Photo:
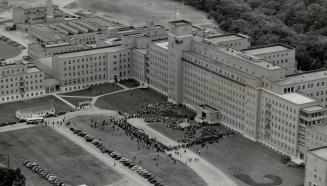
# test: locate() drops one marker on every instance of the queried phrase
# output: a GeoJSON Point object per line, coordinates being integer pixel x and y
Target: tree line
{"type": "Point", "coordinates": [299, 23]}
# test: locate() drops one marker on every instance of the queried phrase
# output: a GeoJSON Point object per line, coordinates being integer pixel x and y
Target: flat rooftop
{"type": "Point", "coordinates": [222, 65]}
{"type": "Point", "coordinates": [267, 49]}
{"type": "Point", "coordinates": [57, 30]}
{"type": "Point", "coordinates": [320, 152]}
{"type": "Point", "coordinates": [304, 77]}
{"type": "Point", "coordinates": [92, 51]}
{"type": "Point", "coordinates": [163, 45]}
{"type": "Point", "coordinates": [297, 98]}
{"type": "Point", "coordinates": [46, 30]}
{"type": "Point", "coordinates": [40, 108]}
{"type": "Point", "coordinates": [32, 70]}
{"type": "Point", "coordinates": [241, 55]}
{"type": "Point", "coordinates": [225, 37]}
{"type": "Point", "coordinates": [46, 61]}
{"type": "Point", "coordinates": [52, 45]}
{"type": "Point", "coordinates": [314, 109]}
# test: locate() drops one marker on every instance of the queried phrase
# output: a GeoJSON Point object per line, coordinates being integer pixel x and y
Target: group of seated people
{"type": "Point", "coordinates": [130, 130]}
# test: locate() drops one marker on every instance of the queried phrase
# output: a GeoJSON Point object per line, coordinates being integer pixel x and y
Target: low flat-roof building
{"type": "Point", "coordinates": [207, 114]}
{"type": "Point", "coordinates": [35, 112]}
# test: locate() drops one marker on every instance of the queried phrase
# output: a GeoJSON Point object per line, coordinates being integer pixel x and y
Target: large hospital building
{"type": "Point", "coordinates": [255, 91]}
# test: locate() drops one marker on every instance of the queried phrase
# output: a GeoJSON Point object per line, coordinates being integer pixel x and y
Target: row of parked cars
{"type": "Point", "coordinates": [51, 178]}
{"type": "Point", "coordinates": [8, 123]}
{"type": "Point", "coordinates": [115, 155]}
{"type": "Point", "coordinates": [11, 42]}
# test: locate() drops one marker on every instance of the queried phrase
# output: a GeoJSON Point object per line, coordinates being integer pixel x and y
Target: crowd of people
{"type": "Point", "coordinates": [130, 130]}
{"type": "Point", "coordinates": [172, 115]}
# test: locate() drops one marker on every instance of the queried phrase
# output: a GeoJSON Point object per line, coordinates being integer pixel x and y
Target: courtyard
{"type": "Point", "coordinates": [75, 100]}
{"type": "Point", "coordinates": [8, 110]}
{"type": "Point", "coordinates": [129, 101]}
{"type": "Point", "coordinates": [96, 90]}
{"type": "Point", "coordinates": [56, 154]}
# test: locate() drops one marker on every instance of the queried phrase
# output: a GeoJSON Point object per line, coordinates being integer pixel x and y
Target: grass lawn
{"type": "Point", "coordinates": [238, 156]}
{"type": "Point", "coordinates": [7, 50]}
{"type": "Point", "coordinates": [166, 172]}
{"type": "Point", "coordinates": [55, 153]}
{"type": "Point", "coordinates": [130, 83]}
{"type": "Point", "coordinates": [129, 101]}
{"type": "Point", "coordinates": [8, 110]}
{"type": "Point", "coordinates": [169, 132]}
{"type": "Point", "coordinates": [96, 90]}
{"type": "Point", "coordinates": [76, 100]}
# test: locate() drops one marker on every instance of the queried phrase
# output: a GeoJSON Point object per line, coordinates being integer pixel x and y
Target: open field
{"type": "Point", "coordinates": [8, 110]}
{"type": "Point", "coordinates": [136, 12]}
{"type": "Point", "coordinates": [95, 90]}
{"type": "Point", "coordinates": [76, 100]}
{"type": "Point", "coordinates": [238, 155]}
{"type": "Point", "coordinates": [166, 172]}
{"type": "Point", "coordinates": [56, 154]}
{"type": "Point", "coordinates": [8, 51]}
{"type": "Point", "coordinates": [129, 101]}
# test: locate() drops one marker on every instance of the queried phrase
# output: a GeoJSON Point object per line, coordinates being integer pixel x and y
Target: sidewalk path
{"type": "Point", "coordinates": [65, 101]}
{"type": "Point", "coordinates": [15, 127]}
{"type": "Point", "coordinates": [208, 172]}
{"type": "Point", "coordinates": [97, 97]}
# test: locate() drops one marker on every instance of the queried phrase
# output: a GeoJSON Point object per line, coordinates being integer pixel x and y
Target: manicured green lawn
{"type": "Point", "coordinates": [96, 90]}
{"type": "Point", "coordinates": [76, 100]}
{"type": "Point", "coordinates": [8, 110]}
{"type": "Point", "coordinates": [237, 155]}
{"type": "Point", "coordinates": [54, 153]}
{"type": "Point", "coordinates": [167, 172]}
{"type": "Point", "coordinates": [129, 101]}
{"type": "Point", "coordinates": [7, 50]}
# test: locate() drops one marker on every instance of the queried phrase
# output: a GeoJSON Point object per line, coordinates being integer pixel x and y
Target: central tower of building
{"type": "Point", "coordinates": [50, 10]}
{"type": "Point", "coordinates": [179, 41]}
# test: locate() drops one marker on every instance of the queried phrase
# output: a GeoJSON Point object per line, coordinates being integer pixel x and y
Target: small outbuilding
{"type": "Point", "coordinates": [35, 112]}
{"type": "Point", "coordinates": [208, 114]}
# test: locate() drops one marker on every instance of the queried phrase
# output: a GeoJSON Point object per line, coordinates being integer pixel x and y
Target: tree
{"type": "Point", "coordinates": [239, 26]}
{"type": "Point", "coordinates": [9, 177]}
